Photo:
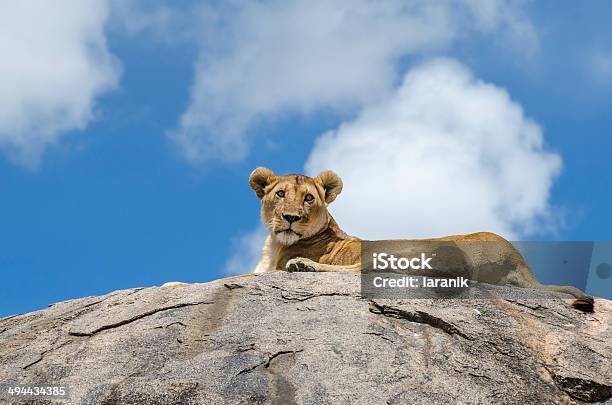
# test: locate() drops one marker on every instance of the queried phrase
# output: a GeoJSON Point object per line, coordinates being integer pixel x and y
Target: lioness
{"type": "Point", "coordinates": [304, 236]}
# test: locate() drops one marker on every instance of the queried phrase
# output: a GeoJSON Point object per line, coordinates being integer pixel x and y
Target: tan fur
{"type": "Point", "coordinates": [315, 242]}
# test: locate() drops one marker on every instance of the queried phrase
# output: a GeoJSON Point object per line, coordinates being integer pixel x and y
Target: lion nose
{"type": "Point", "coordinates": [291, 218]}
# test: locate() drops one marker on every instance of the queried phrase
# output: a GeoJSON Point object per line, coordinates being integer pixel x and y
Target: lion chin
{"type": "Point", "coordinates": [287, 237]}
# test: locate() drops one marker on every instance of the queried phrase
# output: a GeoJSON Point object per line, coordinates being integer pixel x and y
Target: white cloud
{"type": "Point", "coordinates": [508, 17]}
{"type": "Point", "coordinates": [153, 19]}
{"type": "Point", "coordinates": [260, 59]}
{"type": "Point", "coordinates": [54, 63]}
{"type": "Point", "coordinates": [445, 154]}
{"type": "Point", "coordinates": [245, 252]}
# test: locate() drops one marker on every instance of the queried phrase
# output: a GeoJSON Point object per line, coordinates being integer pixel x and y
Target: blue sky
{"type": "Point", "coordinates": [132, 170]}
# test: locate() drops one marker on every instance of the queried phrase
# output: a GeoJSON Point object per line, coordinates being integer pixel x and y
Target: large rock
{"type": "Point", "coordinates": [286, 338]}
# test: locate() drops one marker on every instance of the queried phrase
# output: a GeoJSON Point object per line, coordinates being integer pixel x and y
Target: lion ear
{"type": "Point", "coordinates": [332, 184]}
{"type": "Point", "coordinates": [259, 179]}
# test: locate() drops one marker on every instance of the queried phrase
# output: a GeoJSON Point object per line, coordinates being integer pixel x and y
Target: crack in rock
{"type": "Point", "coordinates": [582, 389]}
{"type": "Point", "coordinates": [379, 334]}
{"type": "Point", "coordinates": [307, 296]}
{"type": "Point", "coordinates": [266, 363]}
{"type": "Point", "coordinates": [283, 391]}
{"type": "Point", "coordinates": [302, 295]}
{"type": "Point", "coordinates": [45, 353]}
{"type": "Point", "coordinates": [534, 307]}
{"type": "Point", "coordinates": [232, 286]}
{"type": "Point", "coordinates": [135, 318]}
{"type": "Point", "coordinates": [41, 356]}
{"type": "Point", "coordinates": [418, 317]}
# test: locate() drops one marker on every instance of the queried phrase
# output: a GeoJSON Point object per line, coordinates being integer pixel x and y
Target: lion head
{"type": "Point", "coordinates": [294, 207]}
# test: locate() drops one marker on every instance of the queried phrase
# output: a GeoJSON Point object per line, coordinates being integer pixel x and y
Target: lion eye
{"type": "Point", "coordinates": [280, 193]}
{"type": "Point", "coordinates": [309, 197]}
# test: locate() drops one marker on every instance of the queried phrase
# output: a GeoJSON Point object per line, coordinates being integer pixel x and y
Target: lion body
{"type": "Point", "coordinates": [305, 237]}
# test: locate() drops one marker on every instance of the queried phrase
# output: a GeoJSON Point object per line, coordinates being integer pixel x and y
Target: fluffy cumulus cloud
{"type": "Point", "coordinates": [155, 19]}
{"type": "Point", "coordinates": [55, 61]}
{"type": "Point", "coordinates": [445, 154]}
{"type": "Point", "coordinates": [261, 59]}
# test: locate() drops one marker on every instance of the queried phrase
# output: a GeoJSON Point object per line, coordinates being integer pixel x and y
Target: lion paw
{"type": "Point", "coordinates": [301, 265]}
